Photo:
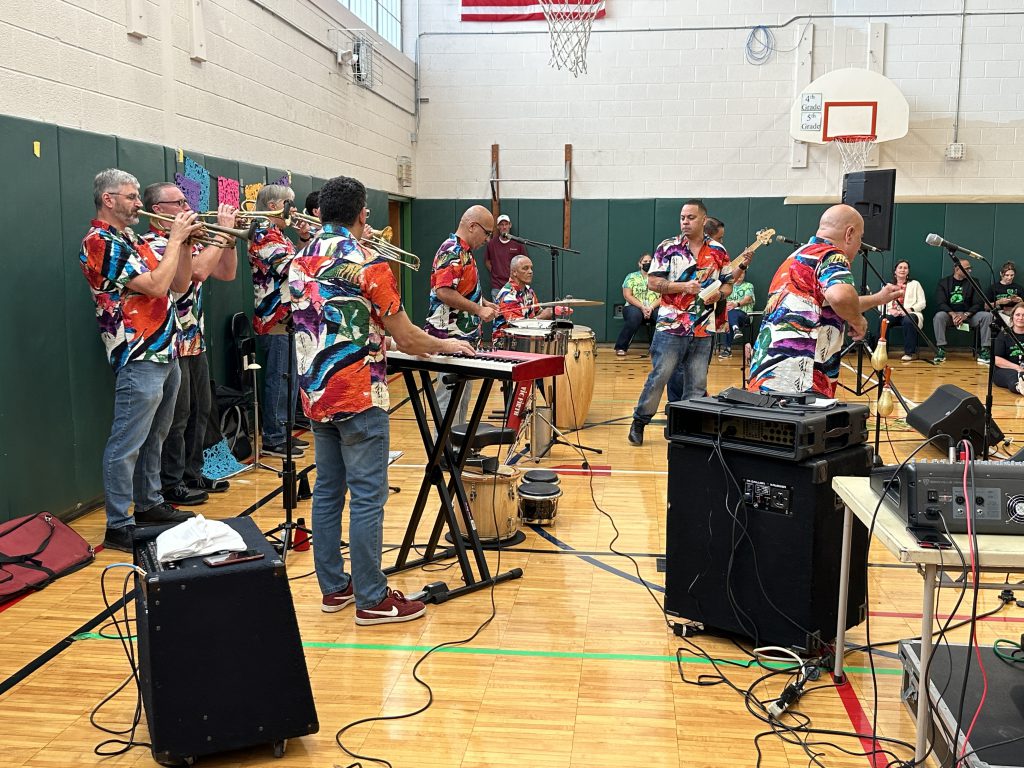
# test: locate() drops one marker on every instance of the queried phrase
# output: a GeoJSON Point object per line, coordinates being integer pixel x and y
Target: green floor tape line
{"type": "Point", "coordinates": [538, 654]}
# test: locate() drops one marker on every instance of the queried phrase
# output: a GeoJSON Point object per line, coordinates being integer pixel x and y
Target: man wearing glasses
{"type": "Point", "coordinates": [456, 306]}
{"type": "Point", "coordinates": [181, 460]}
{"type": "Point", "coordinates": [131, 287]}
{"type": "Point", "coordinates": [961, 306]}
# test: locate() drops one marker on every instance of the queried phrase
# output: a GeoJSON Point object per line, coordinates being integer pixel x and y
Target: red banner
{"type": "Point", "coordinates": [518, 10]}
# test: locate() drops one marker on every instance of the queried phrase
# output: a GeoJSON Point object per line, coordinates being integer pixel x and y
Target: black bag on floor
{"type": "Point", "coordinates": [231, 411]}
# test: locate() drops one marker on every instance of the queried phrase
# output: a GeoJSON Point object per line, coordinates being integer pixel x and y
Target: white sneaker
{"type": "Point", "coordinates": [908, 358]}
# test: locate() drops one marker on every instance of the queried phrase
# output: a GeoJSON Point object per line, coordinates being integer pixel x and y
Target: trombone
{"type": "Point", "coordinates": [203, 238]}
{"type": "Point", "coordinates": [380, 245]}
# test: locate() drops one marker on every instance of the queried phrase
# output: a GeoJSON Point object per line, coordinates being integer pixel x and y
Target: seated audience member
{"type": "Point", "coordinates": [958, 304]}
{"type": "Point", "coordinates": [641, 305]}
{"type": "Point", "coordinates": [913, 301]}
{"type": "Point", "coordinates": [1010, 355]}
{"type": "Point", "coordinates": [1006, 294]}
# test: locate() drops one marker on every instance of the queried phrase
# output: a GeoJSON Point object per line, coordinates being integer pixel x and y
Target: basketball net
{"type": "Point", "coordinates": [854, 151]}
{"type": "Point", "coordinates": [569, 24]}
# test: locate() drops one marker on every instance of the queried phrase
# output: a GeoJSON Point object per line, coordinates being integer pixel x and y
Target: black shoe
{"type": "Point", "coordinates": [298, 442]}
{"type": "Point", "coordinates": [209, 485]}
{"type": "Point", "coordinates": [162, 514]}
{"type": "Point", "coordinates": [636, 432]}
{"type": "Point", "coordinates": [182, 494]}
{"type": "Point", "coordinates": [119, 538]}
{"type": "Point", "coordinates": [279, 451]}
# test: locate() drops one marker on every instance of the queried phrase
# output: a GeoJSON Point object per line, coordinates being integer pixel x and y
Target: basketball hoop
{"type": "Point", "coordinates": [854, 150]}
{"type": "Point", "coordinates": [569, 23]}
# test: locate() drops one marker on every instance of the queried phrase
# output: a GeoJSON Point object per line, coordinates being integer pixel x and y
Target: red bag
{"type": "Point", "coordinates": [35, 550]}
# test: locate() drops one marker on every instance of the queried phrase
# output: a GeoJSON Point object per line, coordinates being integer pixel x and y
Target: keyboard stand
{"type": "Point", "coordinates": [448, 483]}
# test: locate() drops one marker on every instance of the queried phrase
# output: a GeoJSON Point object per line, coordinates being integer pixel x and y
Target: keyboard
{"type": "Point", "coordinates": [504, 365]}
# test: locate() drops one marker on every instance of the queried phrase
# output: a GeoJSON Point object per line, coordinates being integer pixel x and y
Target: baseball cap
{"type": "Point", "coordinates": [504, 217]}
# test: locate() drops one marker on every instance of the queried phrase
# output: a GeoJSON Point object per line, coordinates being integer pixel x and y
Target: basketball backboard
{"type": "Point", "coordinates": [849, 102]}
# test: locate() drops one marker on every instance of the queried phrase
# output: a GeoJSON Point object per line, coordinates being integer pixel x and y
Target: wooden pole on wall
{"type": "Point", "coordinates": [567, 201]}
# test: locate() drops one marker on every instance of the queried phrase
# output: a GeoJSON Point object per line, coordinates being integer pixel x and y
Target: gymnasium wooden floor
{"type": "Point", "coordinates": [577, 669]}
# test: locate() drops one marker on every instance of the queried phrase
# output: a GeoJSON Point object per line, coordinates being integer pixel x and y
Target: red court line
{"type": "Point", "coordinates": [861, 724]}
{"type": "Point", "coordinates": [598, 470]}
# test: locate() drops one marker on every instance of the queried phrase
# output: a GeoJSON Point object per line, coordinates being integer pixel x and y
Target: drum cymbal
{"type": "Point", "coordinates": [569, 301]}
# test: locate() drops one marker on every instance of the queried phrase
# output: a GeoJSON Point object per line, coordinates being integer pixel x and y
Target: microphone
{"type": "Point", "coordinates": [784, 239]}
{"type": "Point", "coordinates": [517, 239]}
{"type": "Point", "coordinates": [934, 239]}
{"type": "Point", "coordinates": [868, 247]}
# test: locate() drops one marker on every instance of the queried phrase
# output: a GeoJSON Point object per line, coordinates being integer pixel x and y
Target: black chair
{"type": "Point", "coordinates": [486, 435]}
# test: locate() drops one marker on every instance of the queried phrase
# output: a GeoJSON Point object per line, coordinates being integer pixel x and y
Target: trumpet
{"type": "Point", "coordinates": [203, 238]}
{"type": "Point", "coordinates": [287, 212]}
{"type": "Point", "coordinates": [380, 245]}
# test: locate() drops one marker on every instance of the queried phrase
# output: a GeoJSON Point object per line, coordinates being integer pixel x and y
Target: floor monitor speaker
{"type": "Point", "coordinates": [957, 414]}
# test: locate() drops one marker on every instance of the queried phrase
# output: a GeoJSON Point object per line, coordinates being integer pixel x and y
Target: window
{"type": "Point", "coordinates": [382, 16]}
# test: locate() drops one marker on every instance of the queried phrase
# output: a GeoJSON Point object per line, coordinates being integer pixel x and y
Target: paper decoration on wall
{"type": "Point", "coordinates": [201, 176]}
{"type": "Point", "coordinates": [227, 191]}
{"type": "Point", "coordinates": [251, 190]}
{"type": "Point", "coordinates": [190, 188]}
{"type": "Point", "coordinates": [284, 181]}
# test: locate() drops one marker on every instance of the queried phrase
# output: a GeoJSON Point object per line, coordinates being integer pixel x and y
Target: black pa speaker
{"type": "Point", "coordinates": [754, 543]}
{"type": "Point", "coordinates": [958, 414]}
{"type": "Point", "coordinates": [221, 665]}
{"type": "Point", "coordinates": [873, 194]}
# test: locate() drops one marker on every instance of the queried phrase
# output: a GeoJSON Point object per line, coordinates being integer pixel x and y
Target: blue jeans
{"type": "Point", "coordinates": [681, 362]}
{"type": "Point", "coordinates": [351, 455]}
{"type": "Point", "coordinates": [144, 397]}
{"type": "Point", "coordinates": [632, 319]}
{"type": "Point", "coordinates": [737, 318]}
{"type": "Point", "coordinates": [275, 389]}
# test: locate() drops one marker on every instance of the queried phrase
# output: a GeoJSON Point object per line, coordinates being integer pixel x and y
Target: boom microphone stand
{"type": "Point", "coordinates": [283, 534]}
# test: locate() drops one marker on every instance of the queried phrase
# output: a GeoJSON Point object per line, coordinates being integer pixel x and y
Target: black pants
{"type": "Point", "coordinates": [632, 318]}
{"type": "Point", "coordinates": [1005, 377]}
{"type": "Point", "coordinates": [182, 455]}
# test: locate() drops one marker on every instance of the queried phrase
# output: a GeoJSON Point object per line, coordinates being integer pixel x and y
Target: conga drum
{"type": "Point", "coordinates": [575, 388]}
{"type": "Point", "coordinates": [493, 504]}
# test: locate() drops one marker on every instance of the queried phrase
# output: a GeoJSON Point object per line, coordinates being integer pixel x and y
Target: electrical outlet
{"type": "Point", "coordinates": [955, 151]}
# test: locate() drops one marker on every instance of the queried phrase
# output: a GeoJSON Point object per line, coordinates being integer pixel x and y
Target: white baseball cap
{"type": "Point", "coordinates": [504, 217]}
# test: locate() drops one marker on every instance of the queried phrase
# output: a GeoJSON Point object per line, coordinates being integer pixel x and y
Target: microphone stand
{"type": "Point", "coordinates": [556, 438]}
{"type": "Point", "coordinates": [997, 320]}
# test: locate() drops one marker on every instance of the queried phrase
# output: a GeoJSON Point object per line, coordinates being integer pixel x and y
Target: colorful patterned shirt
{"type": "Point", "coordinates": [801, 336]}
{"type": "Point", "coordinates": [673, 261]}
{"type": "Point", "coordinates": [637, 284]}
{"type": "Point", "coordinates": [454, 267]}
{"type": "Point", "coordinates": [515, 302]}
{"type": "Point", "coordinates": [339, 295]}
{"type": "Point", "coordinates": [133, 326]}
{"type": "Point", "coordinates": [740, 291]}
{"type": "Point", "coordinates": [189, 305]}
{"type": "Point", "coordinates": [270, 254]}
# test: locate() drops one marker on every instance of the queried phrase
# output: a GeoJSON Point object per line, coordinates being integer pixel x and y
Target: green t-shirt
{"type": "Point", "coordinates": [741, 291]}
{"type": "Point", "coordinates": [637, 284]}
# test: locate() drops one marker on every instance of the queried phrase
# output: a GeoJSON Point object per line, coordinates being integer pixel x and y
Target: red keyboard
{"type": "Point", "coordinates": [504, 365]}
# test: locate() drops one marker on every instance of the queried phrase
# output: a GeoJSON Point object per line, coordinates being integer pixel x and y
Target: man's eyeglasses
{"type": "Point", "coordinates": [485, 229]}
{"type": "Point", "coordinates": [182, 203]}
{"type": "Point", "coordinates": [133, 196]}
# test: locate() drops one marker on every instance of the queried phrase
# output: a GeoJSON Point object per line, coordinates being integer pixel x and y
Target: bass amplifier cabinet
{"type": "Point", "coordinates": [754, 543]}
{"type": "Point", "coordinates": [221, 665]}
{"type": "Point", "coordinates": [793, 432]}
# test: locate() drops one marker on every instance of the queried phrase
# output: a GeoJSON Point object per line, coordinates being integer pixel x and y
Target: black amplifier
{"type": "Point", "coordinates": [794, 431]}
{"type": "Point", "coordinates": [926, 493]}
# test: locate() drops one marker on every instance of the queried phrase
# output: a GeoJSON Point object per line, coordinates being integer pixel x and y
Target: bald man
{"type": "Point", "coordinates": [811, 304]}
{"type": "Point", "coordinates": [457, 307]}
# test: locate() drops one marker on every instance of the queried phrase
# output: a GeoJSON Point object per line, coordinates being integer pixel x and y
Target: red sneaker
{"type": "Point", "coordinates": [393, 608]}
{"type": "Point", "coordinates": [338, 600]}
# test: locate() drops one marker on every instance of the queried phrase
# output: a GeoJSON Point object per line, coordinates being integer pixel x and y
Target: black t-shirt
{"type": "Point", "coordinates": [999, 291]}
{"type": "Point", "coordinates": [1006, 348]}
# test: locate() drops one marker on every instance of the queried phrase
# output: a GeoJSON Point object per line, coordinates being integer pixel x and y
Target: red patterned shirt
{"type": "Point", "coordinates": [270, 254]}
{"type": "Point", "coordinates": [189, 305]}
{"type": "Point", "coordinates": [674, 261]}
{"type": "Point", "coordinates": [133, 326]}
